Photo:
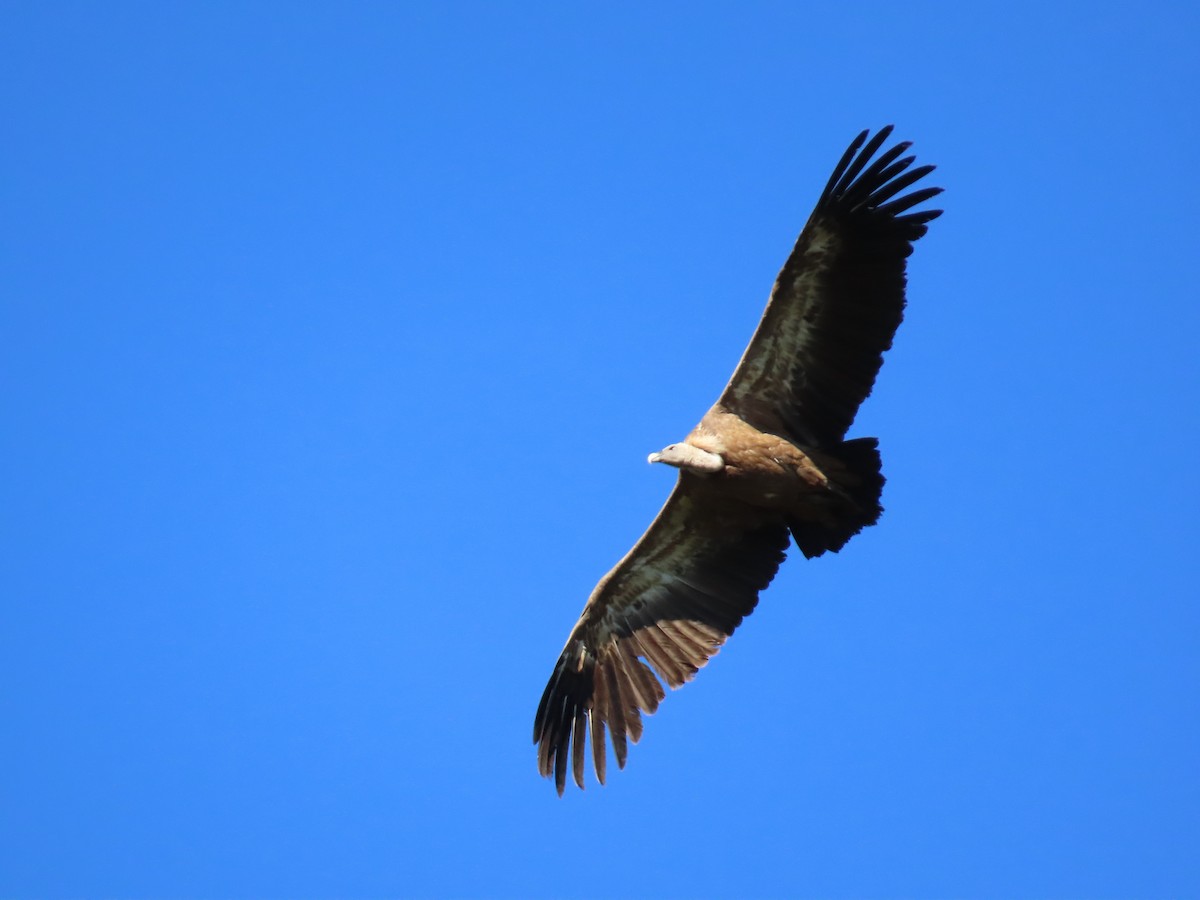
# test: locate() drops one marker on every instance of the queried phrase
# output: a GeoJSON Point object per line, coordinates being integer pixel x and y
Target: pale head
{"type": "Point", "coordinates": [686, 456]}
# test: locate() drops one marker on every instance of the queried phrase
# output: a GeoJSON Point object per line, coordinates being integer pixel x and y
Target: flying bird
{"type": "Point", "coordinates": [767, 465]}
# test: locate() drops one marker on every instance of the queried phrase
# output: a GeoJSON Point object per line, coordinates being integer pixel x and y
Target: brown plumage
{"type": "Point", "coordinates": [768, 461]}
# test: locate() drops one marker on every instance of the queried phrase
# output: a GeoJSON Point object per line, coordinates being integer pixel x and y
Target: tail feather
{"type": "Point", "coordinates": [856, 484]}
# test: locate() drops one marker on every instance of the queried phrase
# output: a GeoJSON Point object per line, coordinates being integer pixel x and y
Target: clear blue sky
{"type": "Point", "coordinates": [336, 336]}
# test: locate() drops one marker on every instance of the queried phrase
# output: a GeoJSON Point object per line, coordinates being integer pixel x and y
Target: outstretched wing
{"type": "Point", "coordinates": [665, 609]}
{"type": "Point", "coordinates": [837, 301]}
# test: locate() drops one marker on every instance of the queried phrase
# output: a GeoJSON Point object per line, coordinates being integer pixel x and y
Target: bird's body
{"type": "Point", "coordinates": [768, 464]}
{"type": "Point", "coordinates": [759, 468]}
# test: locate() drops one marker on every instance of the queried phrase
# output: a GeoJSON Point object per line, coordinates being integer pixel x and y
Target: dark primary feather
{"type": "Point", "coordinates": [837, 301]}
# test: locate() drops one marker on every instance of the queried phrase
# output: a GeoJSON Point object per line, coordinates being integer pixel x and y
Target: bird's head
{"type": "Point", "coordinates": [686, 456]}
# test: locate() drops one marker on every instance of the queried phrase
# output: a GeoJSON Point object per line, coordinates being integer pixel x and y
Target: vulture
{"type": "Point", "coordinates": [768, 464]}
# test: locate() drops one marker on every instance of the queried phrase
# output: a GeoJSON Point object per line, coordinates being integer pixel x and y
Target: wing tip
{"type": "Point", "coordinates": [585, 694]}
{"type": "Point", "coordinates": [864, 183]}
{"type": "Point", "coordinates": [610, 694]}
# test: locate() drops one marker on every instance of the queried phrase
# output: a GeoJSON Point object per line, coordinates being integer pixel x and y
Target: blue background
{"type": "Point", "coordinates": [334, 341]}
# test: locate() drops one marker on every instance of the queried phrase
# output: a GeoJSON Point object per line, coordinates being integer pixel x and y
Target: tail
{"type": "Point", "coordinates": [855, 485]}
